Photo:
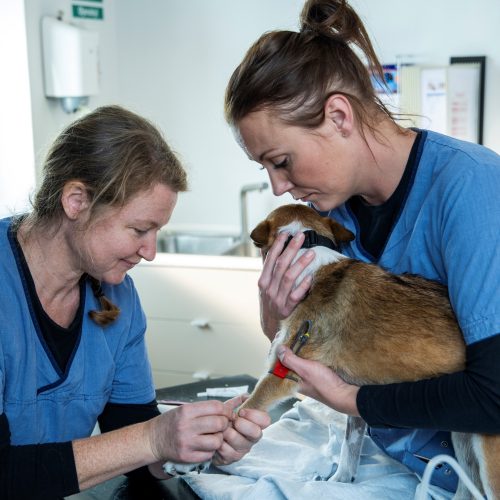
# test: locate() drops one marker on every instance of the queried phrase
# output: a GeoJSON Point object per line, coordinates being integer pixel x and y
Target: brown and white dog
{"type": "Point", "coordinates": [370, 327]}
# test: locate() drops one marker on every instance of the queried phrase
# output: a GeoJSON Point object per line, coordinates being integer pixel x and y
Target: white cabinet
{"type": "Point", "coordinates": [203, 316]}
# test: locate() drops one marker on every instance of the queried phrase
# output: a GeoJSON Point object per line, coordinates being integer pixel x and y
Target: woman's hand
{"type": "Point", "coordinates": [321, 383]}
{"type": "Point", "coordinates": [245, 430]}
{"type": "Point", "coordinates": [278, 294]}
{"type": "Point", "coordinates": [190, 433]}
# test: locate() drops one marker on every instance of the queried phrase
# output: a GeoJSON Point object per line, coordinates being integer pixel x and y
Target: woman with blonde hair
{"type": "Point", "coordinates": [72, 348]}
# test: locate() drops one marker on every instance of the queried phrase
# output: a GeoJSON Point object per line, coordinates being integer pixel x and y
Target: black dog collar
{"type": "Point", "coordinates": [313, 239]}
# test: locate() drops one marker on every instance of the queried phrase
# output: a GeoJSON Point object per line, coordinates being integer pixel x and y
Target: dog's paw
{"type": "Point", "coordinates": [178, 469]}
{"type": "Point", "coordinates": [343, 475]}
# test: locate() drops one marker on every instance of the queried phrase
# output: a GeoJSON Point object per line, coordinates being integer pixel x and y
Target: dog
{"type": "Point", "coordinates": [355, 318]}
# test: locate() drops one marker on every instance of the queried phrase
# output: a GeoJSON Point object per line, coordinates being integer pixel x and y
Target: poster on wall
{"type": "Point", "coordinates": [466, 98]}
{"type": "Point", "coordinates": [388, 90]}
{"type": "Point", "coordinates": [433, 95]}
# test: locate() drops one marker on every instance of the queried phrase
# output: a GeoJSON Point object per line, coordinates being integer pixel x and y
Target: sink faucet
{"type": "Point", "coordinates": [258, 186]}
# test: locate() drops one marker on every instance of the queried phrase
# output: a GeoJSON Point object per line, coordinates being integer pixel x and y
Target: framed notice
{"type": "Point", "coordinates": [466, 76]}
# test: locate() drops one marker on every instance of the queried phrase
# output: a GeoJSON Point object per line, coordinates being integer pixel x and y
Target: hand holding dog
{"type": "Point", "coordinates": [277, 291]}
{"type": "Point", "coordinates": [321, 383]}
{"type": "Point", "coordinates": [241, 434]}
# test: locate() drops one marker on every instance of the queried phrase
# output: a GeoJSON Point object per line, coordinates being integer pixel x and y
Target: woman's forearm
{"type": "Point", "coordinates": [107, 455]}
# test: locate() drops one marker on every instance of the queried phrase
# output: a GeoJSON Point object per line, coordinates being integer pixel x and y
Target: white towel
{"type": "Point", "coordinates": [295, 458]}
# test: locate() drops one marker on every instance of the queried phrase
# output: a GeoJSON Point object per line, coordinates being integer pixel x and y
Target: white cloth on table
{"type": "Point", "coordinates": [295, 458]}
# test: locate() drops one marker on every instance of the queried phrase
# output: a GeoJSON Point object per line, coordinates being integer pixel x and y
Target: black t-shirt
{"type": "Point", "coordinates": [375, 222]}
{"type": "Point", "coordinates": [60, 340]}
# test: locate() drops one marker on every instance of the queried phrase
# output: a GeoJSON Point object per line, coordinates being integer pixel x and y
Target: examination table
{"type": "Point", "coordinates": [120, 488]}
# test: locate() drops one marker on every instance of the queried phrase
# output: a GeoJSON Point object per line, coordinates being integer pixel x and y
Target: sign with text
{"type": "Point", "coordinates": [85, 12]}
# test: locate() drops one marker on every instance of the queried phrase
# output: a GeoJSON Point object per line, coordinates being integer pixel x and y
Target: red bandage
{"type": "Point", "coordinates": [280, 370]}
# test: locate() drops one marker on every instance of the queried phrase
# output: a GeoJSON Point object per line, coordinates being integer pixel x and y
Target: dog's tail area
{"type": "Point", "coordinates": [269, 391]}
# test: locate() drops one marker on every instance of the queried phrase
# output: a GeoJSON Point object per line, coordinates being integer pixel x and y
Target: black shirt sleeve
{"type": "Point", "coordinates": [116, 416]}
{"type": "Point", "coordinates": [48, 471]}
{"type": "Point", "coordinates": [40, 471]}
{"type": "Point", "coordinates": [467, 401]}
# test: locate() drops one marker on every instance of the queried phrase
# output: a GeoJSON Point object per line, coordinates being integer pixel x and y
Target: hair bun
{"type": "Point", "coordinates": [332, 18]}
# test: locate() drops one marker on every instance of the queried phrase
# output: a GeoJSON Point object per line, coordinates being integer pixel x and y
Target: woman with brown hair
{"type": "Point", "coordinates": [72, 349]}
{"type": "Point", "coordinates": [303, 106]}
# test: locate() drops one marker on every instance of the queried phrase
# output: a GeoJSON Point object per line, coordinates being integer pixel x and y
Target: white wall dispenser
{"type": "Point", "coordinates": [71, 66]}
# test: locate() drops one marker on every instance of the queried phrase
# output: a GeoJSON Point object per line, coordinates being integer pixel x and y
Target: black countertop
{"type": "Point", "coordinates": [188, 392]}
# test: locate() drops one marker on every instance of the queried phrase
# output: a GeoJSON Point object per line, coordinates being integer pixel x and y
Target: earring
{"type": "Point", "coordinates": [344, 134]}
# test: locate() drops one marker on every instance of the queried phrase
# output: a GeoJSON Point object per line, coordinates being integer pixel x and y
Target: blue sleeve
{"type": "Point", "coordinates": [470, 247]}
{"type": "Point", "coordinates": [133, 381]}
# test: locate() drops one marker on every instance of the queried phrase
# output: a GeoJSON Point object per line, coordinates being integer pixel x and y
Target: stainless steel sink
{"type": "Point", "coordinates": [199, 244]}
{"type": "Point", "coordinates": [214, 244]}
{"type": "Point", "coordinates": [206, 244]}
{"type": "Point", "coordinates": [243, 249]}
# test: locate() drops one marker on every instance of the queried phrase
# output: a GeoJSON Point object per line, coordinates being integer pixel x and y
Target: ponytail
{"type": "Point", "coordinates": [338, 21]}
{"type": "Point", "coordinates": [294, 73]}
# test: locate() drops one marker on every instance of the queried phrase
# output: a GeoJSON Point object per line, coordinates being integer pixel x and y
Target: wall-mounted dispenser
{"type": "Point", "coordinates": [71, 68]}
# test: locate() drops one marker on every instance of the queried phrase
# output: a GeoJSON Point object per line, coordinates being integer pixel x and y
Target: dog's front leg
{"type": "Point", "coordinates": [269, 391]}
{"type": "Point", "coordinates": [350, 451]}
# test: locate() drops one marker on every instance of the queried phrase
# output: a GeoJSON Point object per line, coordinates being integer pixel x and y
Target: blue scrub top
{"type": "Point", "coordinates": [109, 364]}
{"type": "Point", "coordinates": [448, 230]}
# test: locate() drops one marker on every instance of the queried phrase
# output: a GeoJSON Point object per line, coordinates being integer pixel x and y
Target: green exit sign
{"type": "Point", "coordinates": [85, 12]}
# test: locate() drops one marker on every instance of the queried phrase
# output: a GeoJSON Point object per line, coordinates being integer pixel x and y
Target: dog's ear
{"type": "Point", "coordinates": [260, 235]}
{"type": "Point", "coordinates": [340, 232]}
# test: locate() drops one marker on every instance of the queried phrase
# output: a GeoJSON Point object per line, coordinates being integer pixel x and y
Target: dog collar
{"type": "Point", "coordinates": [313, 239]}
{"type": "Point", "coordinates": [302, 336]}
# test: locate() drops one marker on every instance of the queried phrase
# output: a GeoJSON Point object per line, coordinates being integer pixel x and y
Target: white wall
{"type": "Point", "coordinates": [175, 59]}
{"type": "Point", "coordinates": [48, 116]}
{"type": "Point", "coordinates": [17, 169]}
{"type": "Point", "coordinates": [176, 56]}
{"type": "Point", "coordinates": [170, 60]}
{"type": "Point", "coordinates": [435, 30]}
